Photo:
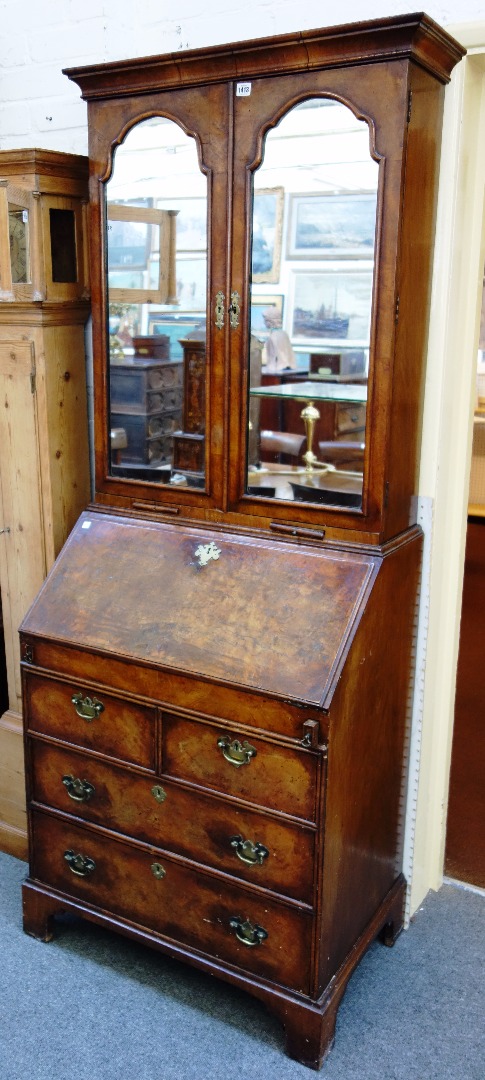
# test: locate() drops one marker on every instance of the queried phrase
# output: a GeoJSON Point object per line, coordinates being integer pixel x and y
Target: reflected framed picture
{"type": "Point", "coordinates": [175, 327]}
{"type": "Point", "coordinates": [266, 311]}
{"type": "Point", "coordinates": [329, 305]}
{"type": "Point", "coordinates": [332, 226]}
{"type": "Point", "coordinates": [268, 207]}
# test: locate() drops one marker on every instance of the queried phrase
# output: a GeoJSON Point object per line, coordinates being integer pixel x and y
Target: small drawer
{"type": "Point", "coordinates": [252, 769]}
{"type": "Point", "coordinates": [246, 844]}
{"type": "Point", "coordinates": [95, 720]}
{"type": "Point", "coordinates": [167, 377]}
{"type": "Point", "coordinates": [154, 402]}
{"type": "Point", "coordinates": [350, 418]}
{"type": "Point", "coordinates": [262, 936]}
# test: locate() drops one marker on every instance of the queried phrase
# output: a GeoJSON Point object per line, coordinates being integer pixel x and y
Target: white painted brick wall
{"type": "Point", "coordinates": [39, 106]}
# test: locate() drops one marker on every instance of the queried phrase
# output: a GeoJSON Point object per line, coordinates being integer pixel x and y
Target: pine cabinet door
{"type": "Point", "coordinates": [22, 556]}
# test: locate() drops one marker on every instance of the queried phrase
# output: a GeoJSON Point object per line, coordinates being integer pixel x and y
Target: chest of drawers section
{"type": "Point", "coordinates": [146, 403]}
{"type": "Point", "coordinates": [202, 836]}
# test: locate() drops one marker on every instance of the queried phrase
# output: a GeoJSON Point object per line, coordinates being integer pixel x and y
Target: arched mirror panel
{"type": "Point", "coordinates": [157, 264]}
{"type": "Point", "coordinates": [313, 244]}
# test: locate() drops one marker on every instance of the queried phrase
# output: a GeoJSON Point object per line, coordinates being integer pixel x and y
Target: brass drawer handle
{"type": "Point", "coordinates": [246, 932]}
{"type": "Point", "coordinates": [78, 790]}
{"type": "Point", "coordinates": [236, 752]}
{"type": "Point", "coordinates": [88, 708]}
{"type": "Point", "coordinates": [81, 865]}
{"type": "Point", "coordinates": [249, 853]}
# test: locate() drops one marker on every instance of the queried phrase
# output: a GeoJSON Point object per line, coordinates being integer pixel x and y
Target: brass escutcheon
{"type": "Point", "coordinates": [248, 852]}
{"type": "Point", "coordinates": [236, 752]}
{"type": "Point", "coordinates": [219, 310]}
{"type": "Point", "coordinates": [88, 708]}
{"type": "Point", "coordinates": [158, 793]}
{"type": "Point", "coordinates": [158, 871]}
{"type": "Point", "coordinates": [78, 790]}
{"type": "Point", "coordinates": [234, 310]}
{"type": "Point", "coordinates": [79, 864]}
{"type": "Point", "coordinates": [246, 932]}
{"type": "Point", "coordinates": [204, 553]}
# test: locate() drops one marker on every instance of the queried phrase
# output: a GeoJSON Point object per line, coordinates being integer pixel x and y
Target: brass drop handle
{"type": "Point", "coordinates": [79, 864]}
{"type": "Point", "coordinates": [248, 852]}
{"type": "Point", "coordinates": [246, 932]}
{"type": "Point", "coordinates": [78, 790]}
{"type": "Point", "coordinates": [236, 752]}
{"type": "Point", "coordinates": [88, 708]}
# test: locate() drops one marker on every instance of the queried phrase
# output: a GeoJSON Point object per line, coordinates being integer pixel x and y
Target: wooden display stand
{"type": "Point", "coordinates": [44, 470]}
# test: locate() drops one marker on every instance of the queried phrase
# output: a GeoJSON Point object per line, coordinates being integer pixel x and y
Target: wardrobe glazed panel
{"type": "Point", "coordinates": [320, 153]}
{"type": "Point", "coordinates": [158, 342]}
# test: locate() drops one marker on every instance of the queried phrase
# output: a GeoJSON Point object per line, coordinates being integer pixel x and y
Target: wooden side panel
{"type": "Point", "coordinates": [22, 554]}
{"type": "Point", "coordinates": [367, 768]}
{"type": "Point", "coordinates": [13, 820]}
{"type": "Point", "coordinates": [412, 313]}
{"type": "Point", "coordinates": [63, 439]}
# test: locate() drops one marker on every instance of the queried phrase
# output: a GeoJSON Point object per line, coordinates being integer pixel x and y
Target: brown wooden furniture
{"type": "Point", "coordinates": [216, 680]}
{"type": "Point", "coordinates": [146, 401]}
{"type": "Point", "coordinates": [189, 441]}
{"type": "Point", "coordinates": [465, 842]}
{"type": "Point", "coordinates": [44, 452]}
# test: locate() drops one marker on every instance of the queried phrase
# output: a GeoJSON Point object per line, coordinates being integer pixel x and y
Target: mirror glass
{"type": "Point", "coordinates": [313, 239]}
{"type": "Point", "coordinates": [156, 214]}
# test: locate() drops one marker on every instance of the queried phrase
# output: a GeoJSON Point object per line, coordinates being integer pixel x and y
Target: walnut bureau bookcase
{"type": "Point", "coordinates": [217, 671]}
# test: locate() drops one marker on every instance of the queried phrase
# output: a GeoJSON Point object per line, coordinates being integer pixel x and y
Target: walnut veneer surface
{"type": "Point", "coordinates": [217, 684]}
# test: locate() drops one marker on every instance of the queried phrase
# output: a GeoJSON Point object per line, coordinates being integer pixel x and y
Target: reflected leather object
{"type": "Point", "coordinates": [308, 493]}
{"type": "Point", "coordinates": [342, 453]}
{"type": "Point", "coordinates": [281, 442]}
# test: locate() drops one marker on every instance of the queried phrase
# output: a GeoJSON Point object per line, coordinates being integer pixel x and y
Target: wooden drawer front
{"type": "Point", "coordinates": [184, 905]}
{"type": "Point", "coordinates": [167, 377]}
{"type": "Point", "coordinates": [276, 777]}
{"type": "Point", "coordinates": [164, 814]}
{"type": "Point", "coordinates": [350, 418]}
{"type": "Point", "coordinates": [122, 730]}
{"type": "Point", "coordinates": [171, 399]}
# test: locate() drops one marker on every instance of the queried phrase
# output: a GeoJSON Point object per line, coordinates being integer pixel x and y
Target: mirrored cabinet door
{"type": "Point", "coordinates": [310, 337]}
{"type": "Point", "coordinates": [156, 214]}
{"type": "Point", "coordinates": [159, 342]}
{"type": "Point", "coordinates": [317, 169]}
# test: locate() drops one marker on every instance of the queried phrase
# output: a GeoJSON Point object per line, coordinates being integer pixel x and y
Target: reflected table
{"type": "Point", "coordinates": [309, 393]}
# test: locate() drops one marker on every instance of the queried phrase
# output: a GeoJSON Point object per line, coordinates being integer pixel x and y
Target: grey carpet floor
{"type": "Point", "coordinates": [91, 1005]}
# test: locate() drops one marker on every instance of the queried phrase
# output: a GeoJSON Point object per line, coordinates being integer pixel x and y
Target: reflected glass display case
{"type": "Point", "coordinates": [217, 672]}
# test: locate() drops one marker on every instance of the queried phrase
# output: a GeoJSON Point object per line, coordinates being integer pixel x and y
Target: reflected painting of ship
{"type": "Point", "coordinates": [323, 323]}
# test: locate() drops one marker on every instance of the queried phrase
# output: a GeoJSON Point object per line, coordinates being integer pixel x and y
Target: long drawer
{"type": "Point", "coordinates": [260, 849]}
{"type": "Point", "coordinates": [100, 722]}
{"type": "Point", "coordinates": [262, 936]}
{"type": "Point", "coordinates": [273, 776]}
